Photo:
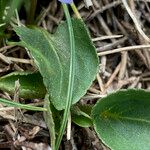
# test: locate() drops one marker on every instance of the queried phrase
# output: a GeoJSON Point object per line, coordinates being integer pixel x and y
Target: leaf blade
{"type": "Point", "coordinates": [19, 105]}
{"type": "Point", "coordinates": [52, 55]}
{"type": "Point", "coordinates": [121, 117]}
{"type": "Point", "coordinates": [70, 77]}
{"type": "Point", "coordinates": [31, 84]}
{"type": "Point", "coordinates": [81, 117]}
{"type": "Point", "coordinates": [48, 116]}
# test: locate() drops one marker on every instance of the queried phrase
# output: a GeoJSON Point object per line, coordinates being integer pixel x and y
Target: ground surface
{"type": "Point", "coordinates": [120, 36]}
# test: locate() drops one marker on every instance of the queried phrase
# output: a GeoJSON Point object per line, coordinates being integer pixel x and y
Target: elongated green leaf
{"type": "Point", "coordinates": [48, 116]}
{"type": "Point", "coordinates": [31, 84]}
{"type": "Point", "coordinates": [19, 105]}
{"type": "Point", "coordinates": [122, 120]}
{"type": "Point", "coordinates": [52, 56]}
{"type": "Point", "coordinates": [71, 77]}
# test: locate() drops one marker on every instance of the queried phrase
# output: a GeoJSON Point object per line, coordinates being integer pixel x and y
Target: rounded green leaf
{"type": "Point", "coordinates": [122, 120]}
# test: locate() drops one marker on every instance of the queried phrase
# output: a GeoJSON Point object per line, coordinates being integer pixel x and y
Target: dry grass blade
{"type": "Point", "coordinates": [136, 22]}
{"type": "Point", "coordinates": [137, 47]}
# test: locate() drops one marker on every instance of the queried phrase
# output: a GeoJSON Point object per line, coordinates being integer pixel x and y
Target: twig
{"type": "Point", "coordinates": [137, 24]}
{"type": "Point", "coordinates": [5, 48]}
{"type": "Point", "coordinates": [124, 56]}
{"type": "Point", "coordinates": [95, 96]}
{"type": "Point", "coordinates": [113, 76]}
{"type": "Point", "coordinates": [113, 4]}
{"type": "Point", "coordinates": [20, 60]}
{"type": "Point", "coordinates": [114, 44]}
{"type": "Point", "coordinates": [100, 82]}
{"type": "Point", "coordinates": [106, 37]}
{"type": "Point", "coordinates": [69, 128]}
{"type": "Point", "coordinates": [128, 48]}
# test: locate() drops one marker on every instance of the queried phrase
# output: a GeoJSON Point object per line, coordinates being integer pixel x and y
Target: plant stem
{"type": "Point", "coordinates": [23, 106]}
{"type": "Point", "coordinates": [71, 77]}
{"type": "Point", "coordinates": [74, 8]}
{"type": "Point", "coordinates": [49, 121]}
{"type": "Point", "coordinates": [31, 12]}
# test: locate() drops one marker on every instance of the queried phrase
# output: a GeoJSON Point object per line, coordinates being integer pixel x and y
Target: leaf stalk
{"type": "Point", "coordinates": [74, 8]}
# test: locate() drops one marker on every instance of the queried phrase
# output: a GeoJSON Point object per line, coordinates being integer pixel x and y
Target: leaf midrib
{"type": "Point", "coordinates": [135, 119]}
{"type": "Point", "coordinates": [117, 116]}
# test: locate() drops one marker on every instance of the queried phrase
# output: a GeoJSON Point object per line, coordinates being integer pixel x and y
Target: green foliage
{"type": "Point", "coordinates": [67, 62]}
{"type": "Point", "coordinates": [30, 7]}
{"type": "Point", "coordinates": [122, 120]}
{"type": "Point", "coordinates": [52, 56]}
{"type": "Point", "coordinates": [81, 115]}
{"type": "Point", "coordinates": [78, 116]}
{"type": "Point", "coordinates": [7, 9]}
{"type": "Point", "coordinates": [19, 105]}
{"type": "Point", "coordinates": [31, 84]}
{"type": "Point", "coordinates": [63, 64]}
{"type": "Point", "coordinates": [48, 116]}
{"type": "Point", "coordinates": [71, 78]}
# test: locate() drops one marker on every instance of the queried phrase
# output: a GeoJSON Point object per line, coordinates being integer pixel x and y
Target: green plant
{"type": "Point", "coordinates": [7, 10]}
{"type": "Point", "coordinates": [122, 119]}
{"type": "Point", "coordinates": [52, 56]}
{"type": "Point", "coordinates": [29, 84]}
{"type": "Point", "coordinates": [63, 64]}
{"type": "Point", "coordinates": [67, 64]}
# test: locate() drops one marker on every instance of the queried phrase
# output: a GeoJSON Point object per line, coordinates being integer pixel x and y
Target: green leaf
{"type": "Point", "coordinates": [7, 9]}
{"type": "Point", "coordinates": [48, 116]}
{"type": "Point", "coordinates": [31, 84]}
{"type": "Point", "coordinates": [57, 117]}
{"type": "Point", "coordinates": [71, 77]}
{"type": "Point", "coordinates": [80, 117]}
{"type": "Point", "coordinates": [19, 105]}
{"type": "Point", "coordinates": [52, 56]}
{"type": "Point", "coordinates": [122, 120]}
{"type": "Point", "coordinates": [82, 121]}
